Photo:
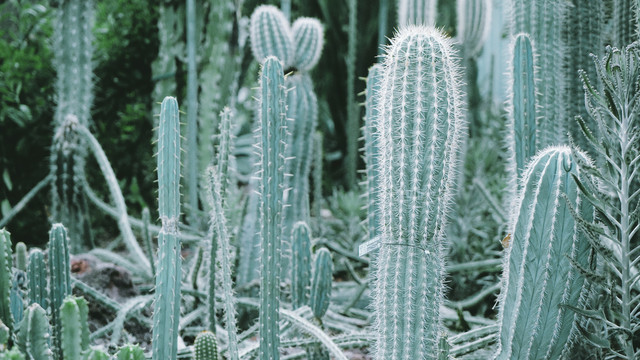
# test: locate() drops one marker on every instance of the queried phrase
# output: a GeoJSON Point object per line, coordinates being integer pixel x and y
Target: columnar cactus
{"type": "Point", "coordinates": [300, 264]}
{"type": "Point", "coordinates": [167, 297]}
{"type": "Point", "coordinates": [372, 148]}
{"type": "Point", "coordinates": [21, 256]}
{"type": "Point", "coordinates": [223, 156]}
{"type": "Point", "coordinates": [271, 140]}
{"type": "Point", "coordinates": [130, 352]}
{"type": "Point", "coordinates": [417, 12]}
{"type": "Point", "coordinates": [59, 281]}
{"type": "Point", "coordinates": [473, 24]}
{"type": "Point", "coordinates": [270, 35]}
{"type": "Point", "coordinates": [418, 134]}
{"type": "Point", "coordinates": [75, 330]}
{"type": "Point", "coordinates": [321, 283]}
{"type": "Point", "coordinates": [17, 297]}
{"type": "Point", "coordinates": [206, 346]}
{"type": "Point", "coordinates": [34, 337]}
{"type": "Point", "coordinates": [308, 39]}
{"type": "Point", "coordinates": [538, 272]}
{"type": "Point", "coordinates": [544, 20]}
{"type": "Point", "coordinates": [521, 105]}
{"type": "Point", "coordinates": [37, 279]}
{"type": "Point", "coordinates": [623, 23]}
{"type": "Point", "coordinates": [6, 261]}
{"type": "Point", "coordinates": [96, 354]}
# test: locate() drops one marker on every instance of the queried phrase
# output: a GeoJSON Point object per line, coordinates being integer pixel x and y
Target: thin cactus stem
{"type": "Point", "coordinates": [37, 279]}
{"type": "Point", "coordinates": [300, 264]}
{"type": "Point", "coordinates": [59, 281]}
{"type": "Point", "coordinates": [192, 114]}
{"type": "Point", "coordinates": [271, 35]}
{"type": "Point", "coordinates": [352, 127]}
{"type": "Point", "coordinates": [372, 148]}
{"type": "Point", "coordinates": [417, 12]}
{"type": "Point", "coordinates": [35, 334]}
{"type": "Point", "coordinates": [6, 262]}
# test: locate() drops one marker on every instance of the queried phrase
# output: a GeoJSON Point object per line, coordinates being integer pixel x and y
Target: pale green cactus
{"type": "Point", "coordinates": [321, 284]}
{"type": "Point", "coordinates": [372, 148]}
{"type": "Point", "coordinates": [6, 262]}
{"type": "Point", "coordinates": [59, 281]}
{"type": "Point", "coordinates": [308, 40]}
{"type": "Point", "coordinates": [35, 334]}
{"type": "Point", "coordinates": [418, 134]}
{"type": "Point", "coordinates": [300, 264]}
{"type": "Point", "coordinates": [473, 24]}
{"type": "Point", "coordinates": [270, 35]}
{"type": "Point", "coordinates": [37, 279]}
{"type": "Point", "coordinates": [130, 352]}
{"type": "Point", "coordinates": [206, 346]}
{"type": "Point", "coordinates": [538, 271]}
{"type": "Point", "coordinates": [75, 329]}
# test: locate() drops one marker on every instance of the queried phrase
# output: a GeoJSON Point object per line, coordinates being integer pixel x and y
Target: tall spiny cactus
{"type": "Point", "coordinates": [206, 346]}
{"type": "Point", "coordinates": [352, 125]}
{"type": "Point", "coordinates": [192, 115]}
{"type": "Point", "coordinates": [6, 262]}
{"type": "Point", "coordinates": [474, 20]}
{"type": "Point", "coordinates": [417, 12]}
{"type": "Point", "coordinates": [271, 35]}
{"type": "Point", "coordinates": [34, 337]}
{"type": "Point", "coordinates": [521, 106]}
{"type": "Point", "coordinates": [37, 279]}
{"type": "Point", "coordinates": [271, 140]}
{"type": "Point", "coordinates": [308, 39]}
{"type": "Point", "coordinates": [418, 134]}
{"type": "Point", "coordinates": [59, 281]}
{"type": "Point", "coordinates": [544, 20]}
{"type": "Point", "coordinates": [300, 264]}
{"type": "Point", "coordinates": [539, 271]}
{"type": "Point", "coordinates": [74, 87]}
{"type": "Point", "coordinates": [167, 298]}
{"type": "Point", "coordinates": [372, 148]}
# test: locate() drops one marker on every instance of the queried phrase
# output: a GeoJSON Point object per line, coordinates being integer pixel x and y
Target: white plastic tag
{"type": "Point", "coordinates": [368, 246]}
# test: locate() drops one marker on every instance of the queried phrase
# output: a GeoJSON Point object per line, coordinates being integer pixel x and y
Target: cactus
{"type": "Point", "coordinates": [318, 154]}
{"type": "Point", "coordinates": [321, 283]}
{"type": "Point", "coordinates": [130, 352]}
{"type": "Point", "coordinates": [416, 12]}
{"type": "Point", "coordinates": [17, 301]}
{"type": "Point", "coordinates": [352, 127]}
{"type": "Point", "coordinates": [34, 336]}
{"type": "Point", "coordinates": [223, 156]}
{"type": "Point", "coordinates": [372, 148]}
{"type": "Point", "coordinates": [248, 267]}
{"type": "Point", "coordinates": [521, 106]}
{"type": "Point", "coordinates": [206, 346]}
{"type": "Point", "coordinates": [59, 280]}
{"type": "Point", "coordinates": [544, 20]}
{"type": "Point", "coordinates": [5, 278]}
{"type": "Point", "coordinates": [4, 335]}
{"type": "Point", "coordinates": [308, 39]}
{"type": "Point", "coordinates": [538, 272]}
{"type": "Point", "coordinates": [623, 19]}
{"type": "Point", "coordinates": [218, 223]}
{"type": "Point", "coordinates": [474, 20]}
{"type": "Point", "coordinates": [74, 86]}
{"type": "Point", "coordinates": [75, 330]}
{"type": "Point", "coordinates": [300, 264]}
{"type": "Point", "coordinates": [21, 256]}
{"type": "Point", "coordinates": [37, 279]}
{"type": "Point", "coordinates": [95, 354]}
{"type": "Point", "coordinates": [271, 140]}
{"type": "Point", "coordinates": [271, 35]}
{"type": "Point", "coordinates": [167, 297]}
{"type": "Point", "coordinates": [148, 241]}
{"type": "Point", "coordinates": [419, 131]}
{"type": "Point", "coordinates": [302, 115]}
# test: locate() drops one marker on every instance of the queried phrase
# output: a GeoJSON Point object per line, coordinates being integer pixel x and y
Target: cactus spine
{"type": "Point", "coordinates": [59, 281]}
{"type": "Point", "coordinates": [544, 20]}
{"type": "Point", "coordinates": [321, 284]}
{"type": "Point", "coordinates": [6, 261]}
{"type": "Point", "coordinates": [372, 148]}
{"type": "Point", "coordinates": [271, 140]}
{"type": "Point", "coordinates": [417, 12]}
{"type": "Point", "coordinates": [308, 39]}
{"type": "Point", "coordinates": [34, 335]}
{"type": "Point", "coordinates": [271, 35]}
{"type": "Point", "coordinates": [167, 296]}
{"type": "Point", "coordinates": [419, 131]}
{"type": "Point", "coordinates": [75, 330]}
{"type": "Point", "coordinates": [538, 274]}
{"type": "Point", "coordinates": [300, 264]}
{"type": "Point", "coordinates": [474, 18]}
{"type": "Point", "coordinates": [522, 105]}
{"type": "Point", "coordinates": [206, 346]}
{"type": "Point", "coordinates": [37, 279]}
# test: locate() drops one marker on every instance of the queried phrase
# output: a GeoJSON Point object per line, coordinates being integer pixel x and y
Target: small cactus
{"type": "Point", "coordinates": [300, 264]}
{"type": "Point", "coordinates": [37, 279]}
{"type": "Point", "coordinates": [308, 40]}
{"type": "Point", "coordinates": [34, 336]}
{"type": "Point", "coordinates": [474, 20]}
{"type": "Point", "coordinates": [270, 35]}
{"type": "Point", "coordinates": [206, 346]}
{"type": "Point", "coordinates": [96, 354]}
{"type": "Point", "coordinates": [59, 282]}
{"type": "Point", "coordinates": [75, 330]}
{"type": "Point", "coordinates": [21, 256]}
{"type": "Point", "coordinates": [321, 283]}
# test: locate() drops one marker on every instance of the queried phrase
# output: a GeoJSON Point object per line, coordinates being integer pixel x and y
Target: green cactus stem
{"type": "Point", "coordinates": [6, 262]}
{"type": "Point", "coordinates": [75, 329]}
{"type": "Point", "coordinates": [206, 346]}
{"type": "Point", "coordinates": [321, 283]}
{"type": "Point", "coordinates": [473, 24]}
{"type": "Point", "coordinates": [416, 12]}
{"type": "Point", "coordinates": [34, 337]}
{"type": "Point", "coordinates": [300, 264]}
{"type": "Point", "coordinates": [59, 281]}
{"type": "Point", "coordinates": [308, 39]}
{"type": "Point", "coordinates": [270, 35]}
{"type": "Point", "coordinates": [372, 148]}
{"type": "Point", "coordinates": [37, 279]}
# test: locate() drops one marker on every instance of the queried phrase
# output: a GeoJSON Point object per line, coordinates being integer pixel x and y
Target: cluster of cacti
{"type": "Point", "coordinates": [169, 271]}
{"type": "Point", "coordinates": [418, 130]}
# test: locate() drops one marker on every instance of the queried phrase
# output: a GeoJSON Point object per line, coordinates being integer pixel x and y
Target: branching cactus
{"type": "Point", "coordinates": [544, 21]}
{"type": "Point", "coordinates": [167, 297]}
{"type": "Point", "coordinates": [270, 35]}
{"type": "Point", "coordinates": [206, 346]}
{"type": "Point", "coordinates": [34, 337]}
{"type": "Point", "coordinates": [308, 39]}
{"type": "Point", "coordinates": [37, 279]}
{"type": "Point", "coordinates": [271, 139]}
{"type": "Point", "coordinates": [539, 272]}
{"type": "Point", "coordinates": [372, 148]}
{"type": "Point", "coordinates": [75, 330]}
{"type": "Point", "coordinates": [521, 106]}
{"type": "Point", "coordinates": [6, 261]}
{"type": "Point", "coordinates": [59, 281]}
{"type": "Point", "coordinates": [418, 134]}
{"type": "Point", "coordinates": [300, 264]}
{"type": "Point", "coordinates": [474, 20]}
{"type": "Point", "coordinates": [321, 283]}
{"type": "Point", "coordinates": [417, 12]}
